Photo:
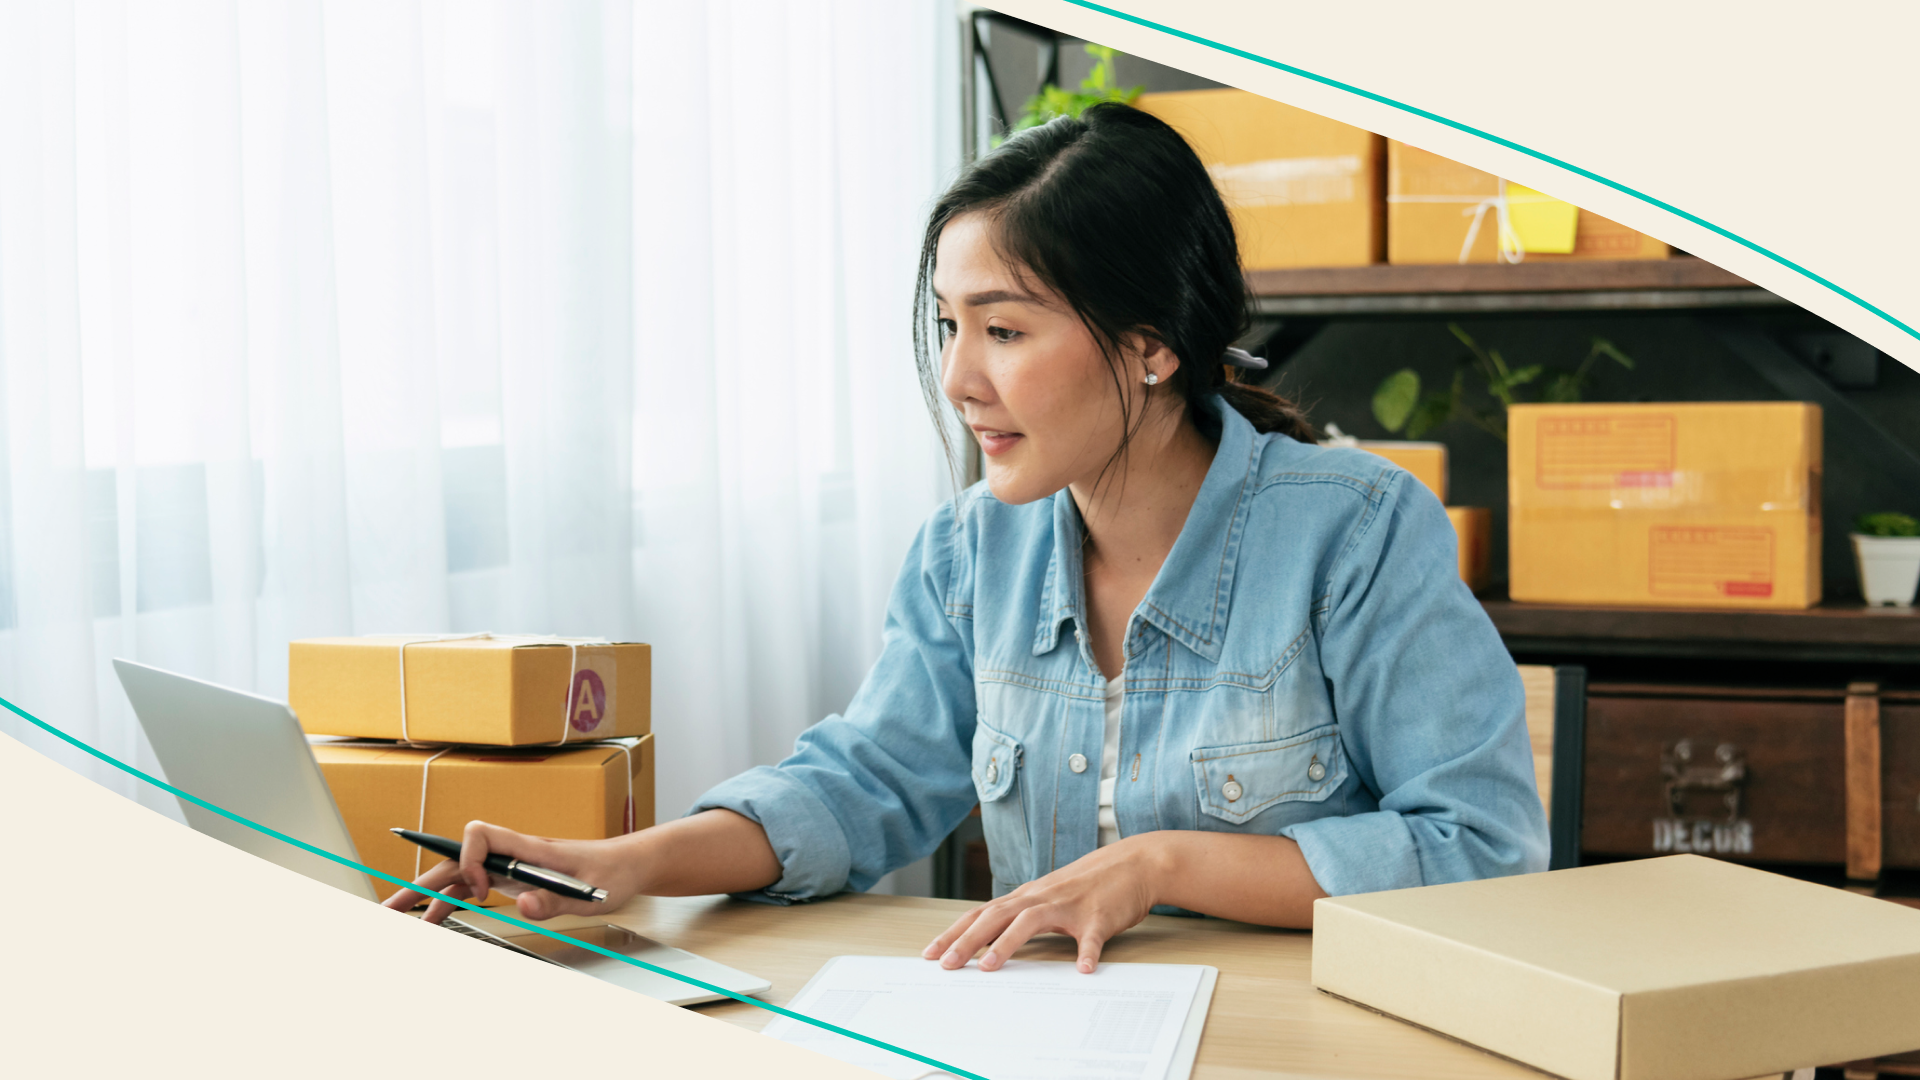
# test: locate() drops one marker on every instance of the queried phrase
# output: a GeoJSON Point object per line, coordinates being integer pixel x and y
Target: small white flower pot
{"type": "Point", "coordinates": [1889, 568]}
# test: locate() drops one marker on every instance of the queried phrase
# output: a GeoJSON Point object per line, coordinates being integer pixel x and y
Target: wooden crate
{"type": "Point", "coordinates": [1821, 776]}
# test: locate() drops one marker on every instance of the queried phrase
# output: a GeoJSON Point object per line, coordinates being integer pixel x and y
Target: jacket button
{"type": "Point", "coordinates": [1232, 790]}
{"type": "Point", "coordinates": [1078, 763]}
{"type": "Point", "coordinates": [1316, 772]}
{"type": "Point", "coordinates": [993, 772]}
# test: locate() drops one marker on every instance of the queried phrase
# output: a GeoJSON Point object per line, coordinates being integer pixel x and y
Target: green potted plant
{"type": "Point", "coordinates": [1097, 87]}
{"type": "Point", "coordinates": [1400, 406]}
{"type": "Point", "coordinates": [1886, 550]}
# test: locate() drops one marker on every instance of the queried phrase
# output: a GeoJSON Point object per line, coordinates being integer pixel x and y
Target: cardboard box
{"type": "Point", "coordinates": [1303, 190]}
{"type": "Point", "coordinates": [1677, 505]}
{"type": "Point", "coordinates": [1433, 203]}
{"type": "Point", "coordinates": [587, 792]}
{"type": "Point", "coordinates": [1473, 525]}
{"type": "Point", "coordinates": [499, 690]}
{"type": "Point", "coordinates": [1680, 968]}
{"type": "Point", "coordinates": [1427, 461]}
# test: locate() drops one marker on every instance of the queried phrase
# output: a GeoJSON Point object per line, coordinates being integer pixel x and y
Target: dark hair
{"type": "Point", "coordinates": [1114, 212]}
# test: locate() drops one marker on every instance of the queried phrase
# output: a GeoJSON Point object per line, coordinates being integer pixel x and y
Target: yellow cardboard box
{"type": "Point", "coordinates": [1681, 504]}
{"type": "Point", "coordinates": [1434, 204]}
{"type": "Point", "coordinates": [587, 792]}
{"type": "Point", "coordinates": [497, 690]}
{"type": "Point", "coordinates": [1680, 968]}
{"type": "Point", "coordinates": [1473, 525]}
{"type": "Point", "coordinates": [1304, 190]}
{"type": "Point", "coordinates": [1427, 461]}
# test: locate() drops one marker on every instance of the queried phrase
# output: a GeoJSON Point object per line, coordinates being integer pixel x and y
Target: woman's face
{"type": "Point", "coordinates": [1025, 372]}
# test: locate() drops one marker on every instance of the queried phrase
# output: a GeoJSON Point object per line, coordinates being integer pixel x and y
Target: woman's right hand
{"type": "Point", "coordinates": [598, 862]}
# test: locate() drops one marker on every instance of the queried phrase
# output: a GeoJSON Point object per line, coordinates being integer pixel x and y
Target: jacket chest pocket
{"type": "Point", "coordinates": [997, 759]}
{"type": "Point", "coordinates": [1237, 782]}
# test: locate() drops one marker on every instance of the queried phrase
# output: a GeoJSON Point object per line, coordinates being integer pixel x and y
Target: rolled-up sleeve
{"type": "Point", "coordinates": [882, 785]}
{"type": "Point", "coordinates": [1431, 709]}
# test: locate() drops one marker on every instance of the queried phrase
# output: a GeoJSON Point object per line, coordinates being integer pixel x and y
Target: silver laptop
{"type": "Point", "coordinates": [247, 754]}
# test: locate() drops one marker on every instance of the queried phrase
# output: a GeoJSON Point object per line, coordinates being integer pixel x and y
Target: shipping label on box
{"type": "Point", "coordinates": [1605, 450]}
{"type": "Point", "coordinates": [497, 690]}
{"type": "Point", "coordinates": [1707, 562]}
{"type": "Point", "coordinates": [1682, 504]}
{"type": "Point", "coordinates": [1303, 190]}
{"type": "Point", "coordinates": [1441, 211]}
{"type": "Point", "coordinates": [587, 792]}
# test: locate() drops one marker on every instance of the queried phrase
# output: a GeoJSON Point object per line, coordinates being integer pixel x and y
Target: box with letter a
{"type": "Point", "coordinates": [1676, 504]}
{"type": "Point", "coordinates": [487, 689]}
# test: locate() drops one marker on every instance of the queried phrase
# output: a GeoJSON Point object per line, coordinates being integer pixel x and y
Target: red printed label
{"type": "Point", "coordinates": [1708, 561]}
{"type": "Point", "coordinates": [1643, 480]}
{"type": "Point", "coordinates": [589, 700]}
{"type": "Point", "coordinates": [1605, 451]}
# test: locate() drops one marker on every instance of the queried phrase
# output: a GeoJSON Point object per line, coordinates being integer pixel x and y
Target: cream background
{"type": "Point", "coordinates": [138, 947]}
{"type": "Point", "coordinates": [1789, 125]}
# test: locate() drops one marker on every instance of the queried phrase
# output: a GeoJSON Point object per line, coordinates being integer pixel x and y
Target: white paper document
{"type": "Point", "coordinates": [1031, 1020]}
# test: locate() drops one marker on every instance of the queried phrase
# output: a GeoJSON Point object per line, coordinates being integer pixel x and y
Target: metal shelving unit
{"type": "Point", "coordinates": [1676, 284]}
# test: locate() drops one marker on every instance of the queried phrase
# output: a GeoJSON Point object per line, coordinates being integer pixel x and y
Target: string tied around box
{"type": "Point", "coordinates": [625, 746]}
{"type": "Point", "coordinates": [573, 645]}
{"type": "Point", "coordinates": [1511, 249]}
{"type": "Point", "coordinates": [420, 639]}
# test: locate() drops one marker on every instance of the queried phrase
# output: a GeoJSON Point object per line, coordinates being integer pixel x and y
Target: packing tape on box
{"type": "Point", "coordinates": [1511, 249]}
{"type": "Point", "coordinates": [573, 645]}
{"type": "Point", "coordinates": [626, 813]}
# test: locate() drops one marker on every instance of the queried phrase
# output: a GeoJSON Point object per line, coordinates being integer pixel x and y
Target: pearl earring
{"type": "Point", "coordinates": [1152, 378]}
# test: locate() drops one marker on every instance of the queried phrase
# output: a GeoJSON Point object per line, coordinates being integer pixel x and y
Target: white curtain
{"type": "Point", "coordinates": [394, 315]}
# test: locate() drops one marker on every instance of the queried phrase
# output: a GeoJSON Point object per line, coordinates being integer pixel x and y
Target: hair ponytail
{"type": "Point", "coordinates": [1268, 411]}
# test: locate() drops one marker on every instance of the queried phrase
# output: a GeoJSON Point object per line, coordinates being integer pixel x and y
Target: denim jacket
{"type": "Point", "coordinates": [1307, 663]}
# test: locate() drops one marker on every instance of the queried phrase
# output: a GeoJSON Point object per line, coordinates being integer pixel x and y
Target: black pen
{"type": "Point", "coordinates": [540, 877]}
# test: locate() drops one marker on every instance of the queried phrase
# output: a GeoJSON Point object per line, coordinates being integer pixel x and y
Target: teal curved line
{"type": "Point", "coordinates": [457, 902]}
{"type": "Point", "coordinates": [1508, 143]}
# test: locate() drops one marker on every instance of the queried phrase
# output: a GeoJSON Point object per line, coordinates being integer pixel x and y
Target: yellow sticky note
{"type": "Point", "coordinates": [1543, 224]}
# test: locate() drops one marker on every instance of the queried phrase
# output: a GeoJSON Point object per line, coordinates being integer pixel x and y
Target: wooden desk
{"type": "Point", "coordinates": [1267, 1020]}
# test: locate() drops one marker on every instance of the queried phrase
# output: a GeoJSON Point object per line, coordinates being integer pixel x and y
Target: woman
{"type": "Point", "coordinates": [1181, 656]}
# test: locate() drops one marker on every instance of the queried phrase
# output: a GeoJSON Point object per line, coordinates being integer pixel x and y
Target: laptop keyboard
{"type": "Point", "coordinates": [467, 931]}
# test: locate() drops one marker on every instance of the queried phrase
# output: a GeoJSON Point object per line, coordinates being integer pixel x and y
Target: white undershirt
{"type": "Point", "coordinates": [1110, 760]}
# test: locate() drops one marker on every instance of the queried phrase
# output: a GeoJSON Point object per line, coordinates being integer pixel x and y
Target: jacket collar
{"type": "Point", "coordinates": [1190, 596]}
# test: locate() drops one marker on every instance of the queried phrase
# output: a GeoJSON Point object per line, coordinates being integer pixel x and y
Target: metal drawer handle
{"type": "Point", "coordinates": [1725, 775]}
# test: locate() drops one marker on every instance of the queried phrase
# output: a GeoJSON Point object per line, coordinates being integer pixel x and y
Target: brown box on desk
{"type": "Point", "coordinates": [497, 690]}
{"type": "Point", "coordinates": [1676, 504]}
{"type": "Point", "coordinates": [588, 792]}
{"type": "Point", "coordinates": [1679, 968]}
{"type": "Point", "coordinates": [1434, 202]}
{"type": "Point", "coordinates": [1303, 190]}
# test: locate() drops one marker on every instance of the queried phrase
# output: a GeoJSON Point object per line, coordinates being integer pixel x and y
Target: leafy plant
{"type": "Point", "coordinates": [1886, 524]}
{"type": "Point", "coordinates": [1097, 87]}
{"type": "Point", "coordinates": [1399, 404]}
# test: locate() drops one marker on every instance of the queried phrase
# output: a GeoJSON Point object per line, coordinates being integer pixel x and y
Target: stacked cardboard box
{"type": "Point", "coordinates": [587, 792]}
{"type": "Point", "coordinates": [540, 735]}
{"type": "Point", "coordinates": [1303, 190]}
{"type": "Point", "coordinates": [1697, 504]}
{"type": "Point", "coordinates": [1440, 211]}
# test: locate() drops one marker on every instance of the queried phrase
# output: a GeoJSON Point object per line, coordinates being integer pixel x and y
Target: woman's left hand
{"type": "Point", "coordinates": [1090, 900]}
